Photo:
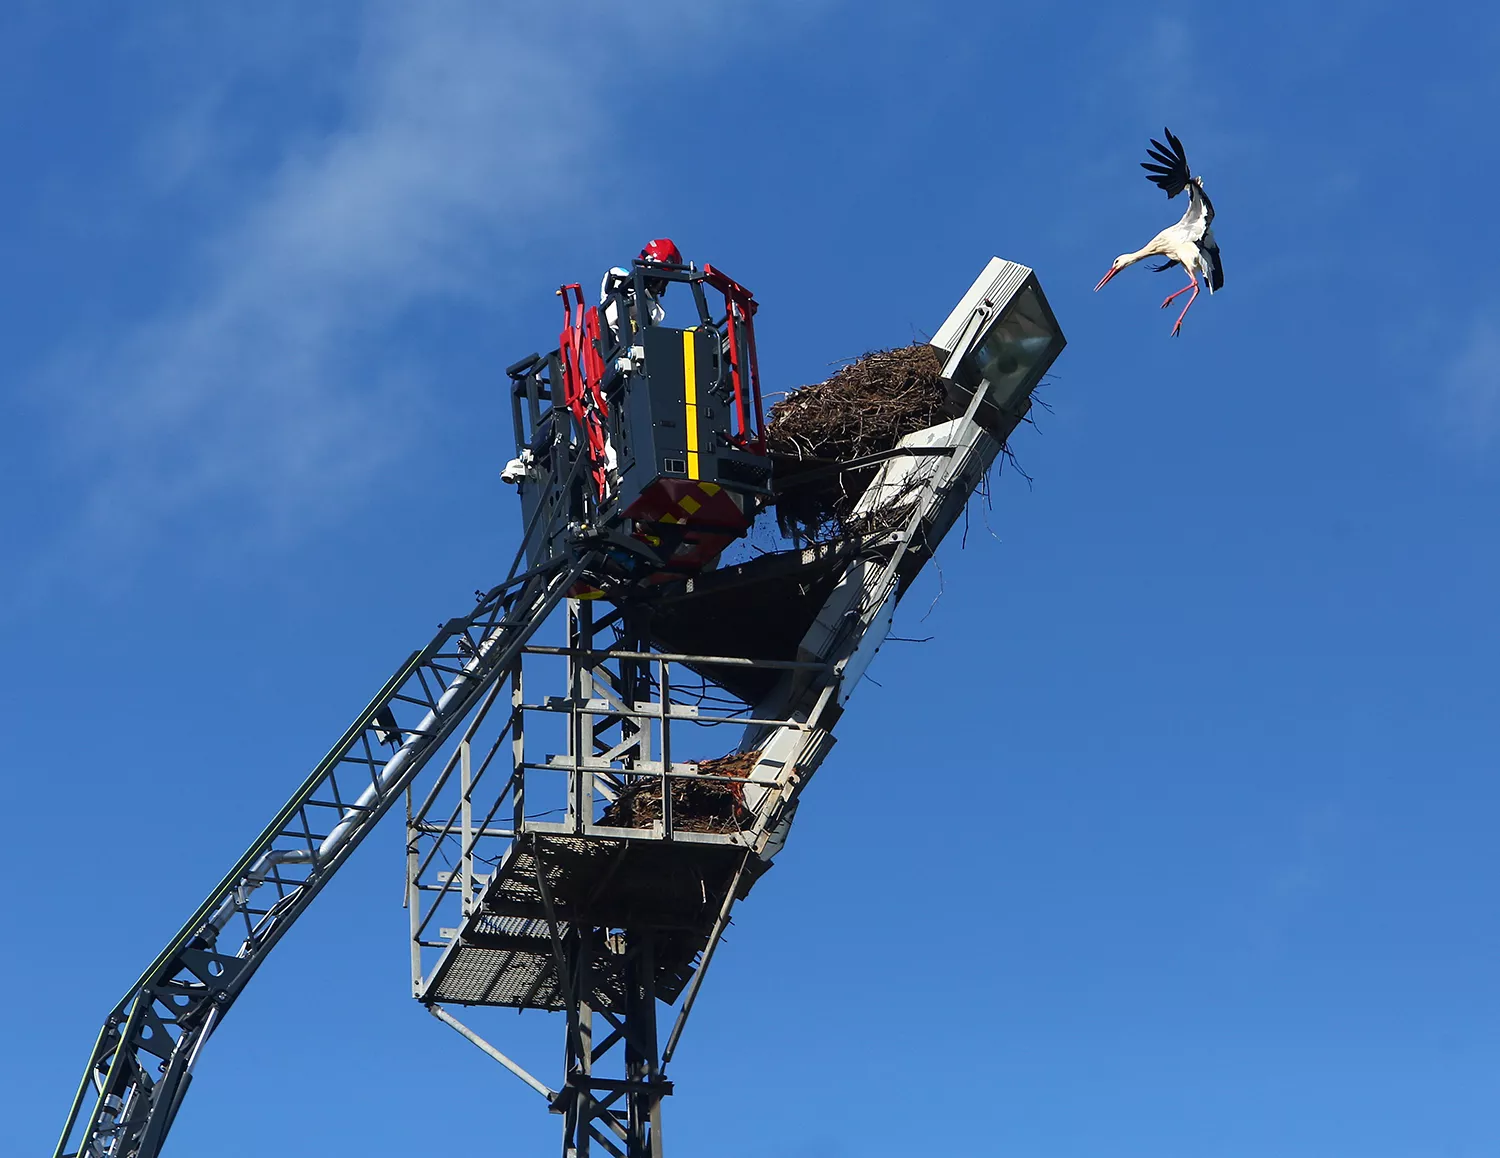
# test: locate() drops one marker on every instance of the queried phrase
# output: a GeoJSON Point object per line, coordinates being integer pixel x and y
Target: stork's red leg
{"type": "Point", "coordinates": [1185, 308]}
{"type": "Point", "coordinates": [1192, 285]}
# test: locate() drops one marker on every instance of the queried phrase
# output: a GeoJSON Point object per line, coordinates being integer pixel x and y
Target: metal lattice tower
{"type": "Point", "coordinates": [560, 855]}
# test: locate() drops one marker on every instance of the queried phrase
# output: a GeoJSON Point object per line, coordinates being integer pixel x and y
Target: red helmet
{"type": "Point", "coordinates": [663, 250]}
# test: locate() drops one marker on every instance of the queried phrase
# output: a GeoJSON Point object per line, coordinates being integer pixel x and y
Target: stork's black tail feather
{"type": "Point", "coordinates": [1171, 173]}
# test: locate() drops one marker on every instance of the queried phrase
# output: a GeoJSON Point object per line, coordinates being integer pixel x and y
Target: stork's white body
{"type": "Point", "coordinates": [1190, 243]}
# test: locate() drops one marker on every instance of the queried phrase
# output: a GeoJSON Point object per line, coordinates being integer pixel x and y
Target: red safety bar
{"type": "Point", "coordinates": [739, 312]}
{"type": "Point", "coordinates": [583, 372]}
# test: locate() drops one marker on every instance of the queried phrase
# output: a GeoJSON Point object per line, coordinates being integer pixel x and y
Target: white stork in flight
{"type": "Point", "coordinates": [1190, 243]}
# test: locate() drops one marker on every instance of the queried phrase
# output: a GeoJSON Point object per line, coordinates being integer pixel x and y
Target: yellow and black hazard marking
{"type": "Point", "coordinates": [688, 505]}
{"type": "Point", "coordinates": [690, 397]}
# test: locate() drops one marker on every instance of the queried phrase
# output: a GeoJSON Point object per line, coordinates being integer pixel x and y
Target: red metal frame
{"type": "Point", "coordinates": [739, 310]}
{"type": "Point", "coordinates": [583, 372]}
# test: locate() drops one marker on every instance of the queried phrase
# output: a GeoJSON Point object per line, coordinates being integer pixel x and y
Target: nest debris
{"type": "Point", "coordinates": [865, 408]}
{"type": "Point", "coordinates": [698, 805]}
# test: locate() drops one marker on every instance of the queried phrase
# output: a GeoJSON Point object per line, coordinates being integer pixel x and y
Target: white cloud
{"type": "Point", "coordinates": [1471, 388]}
{"type": "Point", "coordinates": [1166, 67]}
{"type": "Point", "coordinates": [1148, 73]}
{"type": "Point", "coordinates": [1149, 67]}
{"type": "Point", "coordinates": [462, 127]}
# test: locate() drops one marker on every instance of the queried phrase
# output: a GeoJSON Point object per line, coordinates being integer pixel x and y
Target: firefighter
{"type": "Point", "coordinates": [662, 250]}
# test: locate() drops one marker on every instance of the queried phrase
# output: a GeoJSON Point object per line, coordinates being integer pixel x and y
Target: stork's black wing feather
{"type": "Point", "coordinates": [1162, 156]}
{"type": "Point", "coordinates": [1171, 173]}
{"type": "Point", "coordinates": [1215, 263]}
{"type": "Point", "coordinates": [1177, 149]}
{"type": "Point", "coordinates": [1166, 265]}
{"type": "Point", "coordinates": [1161, 153]}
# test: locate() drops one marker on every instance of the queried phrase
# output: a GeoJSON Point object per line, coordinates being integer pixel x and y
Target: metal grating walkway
{"type": "Point", "coordinates": [504, 955]}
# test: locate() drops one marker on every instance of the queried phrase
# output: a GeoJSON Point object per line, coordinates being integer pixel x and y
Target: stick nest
{"type": "Point", "coordinates": [865, 408]}
{"type": "Point", "coordinates": [697, 805]}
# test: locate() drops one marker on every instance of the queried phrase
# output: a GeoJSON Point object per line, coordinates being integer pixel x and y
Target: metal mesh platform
{"type": "Point", "coordinates": [504, 953]}
{"type": "Point", "coordinates": [501, 961]}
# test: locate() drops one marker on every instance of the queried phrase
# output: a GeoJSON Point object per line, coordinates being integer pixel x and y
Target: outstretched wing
{"type": "Point", "coordinates": [1170, 172]}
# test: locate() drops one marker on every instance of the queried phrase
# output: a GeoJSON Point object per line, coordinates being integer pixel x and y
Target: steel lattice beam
{"type": "Point", "coordinates": [142, 1061]}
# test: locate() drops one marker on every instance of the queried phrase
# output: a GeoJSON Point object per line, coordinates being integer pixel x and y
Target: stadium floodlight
{"type": "Point", "coordinates": [1002, 334]}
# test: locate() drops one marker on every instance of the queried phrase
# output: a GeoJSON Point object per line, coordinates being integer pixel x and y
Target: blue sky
{"type": "Point", "coordinates": [1177, 839]}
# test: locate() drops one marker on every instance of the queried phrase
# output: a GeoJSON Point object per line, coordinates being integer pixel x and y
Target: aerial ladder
{"type": "Point", "coordinates": [597, 879]}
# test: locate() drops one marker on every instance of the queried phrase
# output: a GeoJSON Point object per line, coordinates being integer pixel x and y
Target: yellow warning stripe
{"type": "Point", "coordinates": [690, 394]}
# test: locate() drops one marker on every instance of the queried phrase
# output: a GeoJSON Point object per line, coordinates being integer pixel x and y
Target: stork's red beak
{"type": "Point", "coordinates": [1105, 278]}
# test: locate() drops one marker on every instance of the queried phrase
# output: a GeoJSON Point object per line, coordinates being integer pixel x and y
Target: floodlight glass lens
{"type": "Point", "coordinates": [1013, 349]}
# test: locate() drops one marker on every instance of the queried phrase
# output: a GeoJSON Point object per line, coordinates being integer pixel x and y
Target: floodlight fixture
{"type": "Point", "coordinates": [1002, 335]}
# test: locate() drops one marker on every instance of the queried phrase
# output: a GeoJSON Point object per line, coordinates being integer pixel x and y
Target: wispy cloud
{"type": "Point", "coordinates": [1302, 871]}
{"type": "Point", "coordinates": [1145, 72]}
{"type": "Point", "coordinates": [1471, 387]}
{"type": "Point", "coordinates": [1149, 67]}
{"type": "Point", "coordinates": [461, 128]}
{"type": "Point", "coordinates": [1165, 64]}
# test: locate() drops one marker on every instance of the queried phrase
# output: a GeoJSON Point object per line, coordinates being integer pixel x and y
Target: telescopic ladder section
{"type": "Point", "coordinates": [143, 1060]}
